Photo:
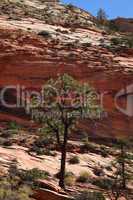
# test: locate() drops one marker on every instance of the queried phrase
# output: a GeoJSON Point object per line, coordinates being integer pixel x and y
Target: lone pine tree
{"type": "Point", "coordinates": [65, 102]}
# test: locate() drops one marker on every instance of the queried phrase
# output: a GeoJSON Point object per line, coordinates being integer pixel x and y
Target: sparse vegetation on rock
{"type": "Point", "coordinates": [83, 177]}
{"type": "Point", "coordinates": [44, 34]}
{"type": "Point", "coordinates": [86, 195]}
{"type": "Point", "coordinates": [70, 179]}
{"type": "Point", "coordinates": [74, 160]}
{"type": "Point", "coordinates": [10, 191]}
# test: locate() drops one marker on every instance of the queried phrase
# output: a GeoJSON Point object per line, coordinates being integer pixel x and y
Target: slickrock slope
{"type": "Point", "coordinates": [50, 12]}
{"type": "Point", "coordinates": [27, 161]}
{"type": "Point", "coordinates": [29, 57]}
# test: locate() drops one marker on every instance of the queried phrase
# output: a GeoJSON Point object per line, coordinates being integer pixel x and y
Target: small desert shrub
{"type": "Point", "coordinates": [74, 160]}
{"type": "Point", "coordinates": [70, 6]}
{"type": "Point", "coordinates": [42, 151]}
{"type": "Point", "coordinates": [87, 147]}
{"type": "Point", "coordinates": [85, 137]}
{"type": "Point", "coordinates": [43, 145]}
{"type": "Point", "coordinates": [7, 143]}
{"type": "Point", "coordinates": [104, 151]}
{"type": "Point", "coordinates": [105, 183]}
{"type": "Point", "coordinates": [45, 34]}
{"type": "Point", "coordinates": [115, 41]}
{"type": "Point", "coordinates": [47, 152]}
{"type": "Point", "coordinates": [27, 175]}
{"type": "Point", "coordinates": [108, 168]}
{"type": "Point", "coordinates": [13, 170]}
{"type": "Point", "coordinates": [44, 140]}
{"type": "Point", "coordinates": [69, 174]}
{"type": "Point", "coordinates": [86, 195]}
{"type": "Point", "coordinates": [86, 44]}
{"type": "Point", "coordinates": [13, 126]}
{"type": "Point", "coordinates": [83, 177]}
{"type": "Point", "coordinates": [37, 150]}
{"type": "Point", "coordinates": [6, 134]}
{"type": "Point", "coordinates": [33, 174]}
{"type": "Point", "coordinates": [70, 179]}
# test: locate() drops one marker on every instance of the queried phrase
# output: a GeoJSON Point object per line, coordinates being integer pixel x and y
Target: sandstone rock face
{"type": "Point", "coordinates": [48, 185]}
{"type": "Point", "coordinates": [49, 195]}
{"type": "Point", "coordinates": [29, 59]}
{"type": "Point", "coordinates": [124, 25]}
{"type": "Point", "coordinates": [49, 12]}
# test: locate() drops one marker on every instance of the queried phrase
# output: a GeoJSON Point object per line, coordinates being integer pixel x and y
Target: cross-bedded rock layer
{"type": "Point", "coordinates": [32, 51]}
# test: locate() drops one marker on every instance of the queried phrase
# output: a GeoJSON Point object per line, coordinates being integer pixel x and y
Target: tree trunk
{"type": "Point", "coordinates": [58, 138]}
{"type": "Point", "coordinates": [123, 167]}
{"type": "Point", "coordinates": [63, 159]}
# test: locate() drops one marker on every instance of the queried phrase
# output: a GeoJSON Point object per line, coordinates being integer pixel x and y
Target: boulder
{"type": "Point", "coordinates": [45, 194]}
{"type": "Point", "coordinates": [48, 185]}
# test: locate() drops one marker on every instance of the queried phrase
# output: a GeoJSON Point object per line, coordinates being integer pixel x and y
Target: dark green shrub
{"type": "Point", "coordinates": [115, 41]}
{"type": "Point", "coordinates": [108, 168]}
{"type": "Point", "coordinates": [7, 143]}
{"type": "Point", "coordinates": [87, 44]}
{"type": "Point", "coordinates": [33, 174]}
{"type": "Point", "coordinates": [37, 150]}
{"type": "Point", "coordinates": [105, 183]}
{"type": "Point", "coordinates": [6, 134]}
{"type": "Point", "coordinates": [43, 151]}
{"type": "Point", "coordinates": [45, 34]}
{"type": "Point", "coordinates": [13, 169]}
{"type": "Point", "coordinates": [13, 126]}
{"type": "Point", "coordinates": [70, 6]}
{"type": "Point", "coordinates": [104, 151]}
{"type": "Point", "coordinates": [88, 147]}
{"type": "Point", "coordinates": [47, 152]}
{"type": "Point", "coordinates": [74, 160]}
{"type": "Point", "coordinates": [43, 142]}
{"type": "Point", "coordinates": [86, 195]}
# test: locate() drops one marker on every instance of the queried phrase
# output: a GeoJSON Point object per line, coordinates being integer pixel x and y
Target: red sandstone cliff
{"type": "Point", "coordinates": [124, 24]}
{"type": "Point", "coordinates": [29, 59]}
